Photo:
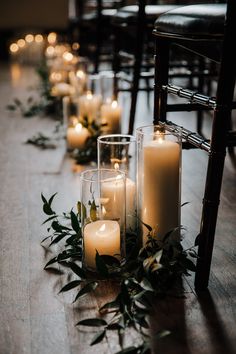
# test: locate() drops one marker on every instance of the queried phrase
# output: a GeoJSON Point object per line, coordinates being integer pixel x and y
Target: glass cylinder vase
{"type": "Point", "coordinates": [159, 179]}
{"type": "Point", "coordinates": [118, 151]}
{"type": "Point", "coordinates": [102, 214]}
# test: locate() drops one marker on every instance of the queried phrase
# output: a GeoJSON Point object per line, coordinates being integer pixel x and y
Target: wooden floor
{"type": "Point", "coordinates": [35, 319]}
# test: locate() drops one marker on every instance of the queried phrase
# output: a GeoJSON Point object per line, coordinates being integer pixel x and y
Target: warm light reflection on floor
{"type": "Point", "coordinates": [15, 73]}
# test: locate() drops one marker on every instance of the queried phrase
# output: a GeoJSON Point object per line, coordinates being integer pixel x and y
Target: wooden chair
{"type": "Point", "coordinates": [210, 31]}
{"type": "Point", "coordinates": [133, 48]}
{"type": "Point", "coordinates": [92, 29]}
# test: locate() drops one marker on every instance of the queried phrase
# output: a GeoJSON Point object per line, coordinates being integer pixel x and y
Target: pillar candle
{"type": "Point", "coordinates": [111, 115]}
{"type": "Point", "coordinates": [160, 195]}
{"type": "Point", "coordinates": [103, 236]}
{"type": "Point", "coordinates": [89, 105]}
{"type": "Point", "coordinates": [77, 136]}
{"type": "Point", "coordinates": [113, 200]}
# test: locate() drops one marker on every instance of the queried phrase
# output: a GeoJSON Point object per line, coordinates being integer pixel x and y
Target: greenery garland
{"type": "Point", "coordinates": [147, 273]}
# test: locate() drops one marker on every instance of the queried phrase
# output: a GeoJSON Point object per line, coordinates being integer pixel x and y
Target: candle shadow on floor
{"type": "Point", "coordinates": [215, 326]}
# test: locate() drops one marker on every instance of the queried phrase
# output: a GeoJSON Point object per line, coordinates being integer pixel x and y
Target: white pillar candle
{"type": "Point", "coordinates": [103, 236]}
{"type": "Point", "coordinates": [160, 195]}
{"type": "Point", "coordinates": [77, 136]}
{"type": "Point", "coordinates": [89, 105]}
{"type": "Point", "coordinates": [113, 200]}
{"type": "Point", "coordinates": [111, 115]}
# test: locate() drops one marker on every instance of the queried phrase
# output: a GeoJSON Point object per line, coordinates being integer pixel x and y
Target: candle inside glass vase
{"type": "Point", "coordinates": [118, 151]}
{"type": "Point", "coordinates": [102, 233]}
{"type": "Point", "coordinates": [159, 167]}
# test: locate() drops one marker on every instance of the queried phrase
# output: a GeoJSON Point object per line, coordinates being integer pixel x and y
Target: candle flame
{"type": "Point", "coordinates": [38, 38]}
{"type": "Point", "coordinates": [114, 104]}
{"type": "Point", "coordinates": [52, 37]}
{"type": "Point", "coordinates": [78, 127]}
{"type": "Point", "coordinates": [74, 120]}
{"type": "Point", "coordinates": [21, 43]}
{"type": "Point", "coordinates": [29, 38]}
{"type": "Point", "coordinates": [75, 46]}
{"type": "Point", "coordinates": [104, 210]}
{"type": "Point", "coordinates": [116, 166]}
{"type": "Point", "coordinates": [103, 227]}
{"type": "Point", "coordinates": [14, 48]}
{"type": "Point", "coordinates": [80, 74]}
{"type": "Point", "coordinates": [160, 140]}
{"type": "Point", "coordinates": [56, 76]}
{"type": "Point", "coordinates": [50, 50]}
{"type": "Point", "coordinates": [67, 56]}
{"type": "Point", "coordinates": [89, 95]}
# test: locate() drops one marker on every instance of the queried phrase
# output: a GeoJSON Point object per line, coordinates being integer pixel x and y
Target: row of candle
{"type": "Point", "coordinates": [157, 190]}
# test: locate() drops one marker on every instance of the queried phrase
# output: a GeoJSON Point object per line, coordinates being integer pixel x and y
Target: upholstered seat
{"type": "Point", "coordinates": [204, 21]}
{"type": "Point", "coordinates": [152, 12]}
{"type": "Point", "coordinates": [202, 24]}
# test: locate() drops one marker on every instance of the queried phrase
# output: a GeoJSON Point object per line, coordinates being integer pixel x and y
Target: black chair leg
{"type": "Point", "coordinates": [211, 201]}
{"type": "Point", "coordinates": [134, 92]}
{"type": "Point", "coordinates": [161, 78]}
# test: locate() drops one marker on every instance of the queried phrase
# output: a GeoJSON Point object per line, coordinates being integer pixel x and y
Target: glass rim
{"type": "Point", "coordinates": [96, 170]}
{"type": "Point", "coordinates": [101, 138]}
{"type": "Point", "coordinates": [177, 132]}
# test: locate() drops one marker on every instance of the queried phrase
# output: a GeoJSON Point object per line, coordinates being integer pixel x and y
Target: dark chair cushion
{"type": "Point", "coordinates": [129, 13]}
{"type": "Point", "coordinates": [205, 20]}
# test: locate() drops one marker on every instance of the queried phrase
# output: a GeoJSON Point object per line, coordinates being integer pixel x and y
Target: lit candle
{"type": "Point", "coordinates": [77, 136]}
{"type": "Point", "coordinates": [160, 195]}
{"type": "Point", "coordinates": [103, 236]}
{"type": "Point", "coordinates": [89, 105]}
{"type": "Point", "coordinates": [62, 89]}
{"type": "Point", "coordinates": [78, 80]}
{"type": "Point", "coordinates": [113, 200]}
{"type": "Point", "coordinates": [111, 115]}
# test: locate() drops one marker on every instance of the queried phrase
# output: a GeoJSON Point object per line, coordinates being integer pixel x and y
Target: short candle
{"type": "Point", "coordinates": [102, 236]}
{"type": "Point", "coordinates": [77, 136]}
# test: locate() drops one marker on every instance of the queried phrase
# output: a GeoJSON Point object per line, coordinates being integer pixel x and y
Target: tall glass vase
{"type": "Point", "coordinates": [118, 151]}
{"type": "Point", "coordinates": [159, 179]}
{"type": "Point", "coordinates": [102, 214]}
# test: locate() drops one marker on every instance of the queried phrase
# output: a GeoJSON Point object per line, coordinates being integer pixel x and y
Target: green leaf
{"type": "Point", "coordinates": [51, 199]}
{"type": "Point", "coordinates": [47, 209]}
{"type": "Point", "coordinates": [58, 238]}
{"type": "Point", "coordinates": [101, 266]}
{"type": "Point", "coordinates": [86, 289]}
{"type": "Point", "coordinates": [77, 270]}
{"type": "Point", "coordinates": [110, 305]}
{"type": "Point", "coordinates": [49, 219]}
{"type": "Point", "coordinates": [73, 284]}
{"type": "Point", "coordinates": [184, 204]}
{"type": "Point", "coordinates": [93, 211]}
{"type": "Point", "coordinates": [145, 284]}
{"type": "Point", "coordinates": [51, 261]}
{"type": "Point", "coordinates": [98, 337]}
{"type": "Point", "coordinates": [74, 222]}
{"type": "Point", "coordinates": [81, 210]}
{"type": "Point", "coordinates": [56, 226]}
{"type": "Point", "coordinates": [129, 350]}
{"type": "Point", "coordinates": [92, 322]}
{"type": "Point", "coordinates": [163, 333]}
{"type": "Point", "coordinates": [43, 199]}
{"type": "Point", "coordinates": [11, 107]}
